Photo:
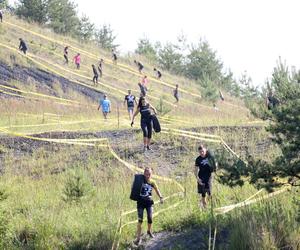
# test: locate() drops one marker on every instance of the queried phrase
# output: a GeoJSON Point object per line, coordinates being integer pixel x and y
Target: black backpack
{"type": "Point", "coordinates": [156, 124]}
{"type": "Point", "coordinates": [138, 181]}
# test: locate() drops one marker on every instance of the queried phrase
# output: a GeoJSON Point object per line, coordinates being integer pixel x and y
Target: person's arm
{"type": "Point", "coordinates": [135, 101]}
{"type": "Point", "coordinates": [124, 100]}
{"type": "Point", "coordinates": [196, 172]}
{"type": "Point", "coordinates": [134, 115]}
{"type": "Point", "coordinates": [153, 108]}
{"type": "Point", "coordinates": [109, 106]}
{"type": "Point", "coordinates": [158, 193]}
{"type": "Point", "coordinates": [99, 105]}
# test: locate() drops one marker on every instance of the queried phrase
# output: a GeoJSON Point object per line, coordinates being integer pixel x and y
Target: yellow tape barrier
{"type": "Point", "coordinates": [121, 66]}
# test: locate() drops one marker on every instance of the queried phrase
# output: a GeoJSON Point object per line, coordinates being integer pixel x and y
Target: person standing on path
{"type": "Point", "coordinates": [175, 93]}
{"type": "Point", "coordinates": [77, 60]}
{"type": "Point", "coordinates": [205, 165]}
{"type": "Point", "coordinates": [130, 99]}
{"type": "Point", "coordinates": [139, 65]}
{"type": "Point", "coordinates": [145, 201]}
{"type": "Point", "coordinates": [105, 105]}
{"type": "Point", "coordinates": [144, 108]}
{"type": "Point", "coordinates": [22, 46]}
{"type": "Point", "coordinates": [95, 78]}
{"type": "Point", "coordinates": [66, 53]}
{"type": "Point", "coordinates": [100, 67]}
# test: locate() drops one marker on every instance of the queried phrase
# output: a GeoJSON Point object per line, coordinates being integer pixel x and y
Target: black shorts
{"type": "Point", "coordinates": [205, 188]}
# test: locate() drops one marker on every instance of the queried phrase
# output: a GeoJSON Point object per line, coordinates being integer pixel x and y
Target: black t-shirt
{"type": "Point", "coordinates": [145, 112]}
{"type": "Point", "coordinates": [205, 165]}
{"type": "Point", "coordinates": [130, 100]}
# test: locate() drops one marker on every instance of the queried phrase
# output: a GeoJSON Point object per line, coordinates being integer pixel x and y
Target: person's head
{"type": "Point", "coordinates": [176, 86]}
{"type": "Point", "coordinates": [129, 91]}
{"type": "Point", "coordinates": [20, 39]}
{"type": "Point", "coordinates": [147, 173]}
{"type": "Point", "coordinates": [202, 150]}
{"type": "Point", "coordinates": [78, 54]}
{"type": "Point", "coordinates": [145, 77]}
{"type": "Point", "coordinates": [139, 84]}
{"type": "Point", "coordinates": [135, 61]}
{"type": "Point", "coordinates": [104, 96]}
{"type": "Point", "coordinates": [142, 101]}
{"type": "Point", "coordinates": [154, 69]}
{"type": "Point", "coordinates": [101, 60]}
{"type": "Point", "coordinates": [93, 65]}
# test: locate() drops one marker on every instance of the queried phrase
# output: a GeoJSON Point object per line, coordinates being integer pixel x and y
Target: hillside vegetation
{"type": "Point", "coordinates": [66, 173]}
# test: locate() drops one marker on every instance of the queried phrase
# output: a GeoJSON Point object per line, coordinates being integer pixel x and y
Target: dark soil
{"type": "Point", "coordinates": [43, 81]}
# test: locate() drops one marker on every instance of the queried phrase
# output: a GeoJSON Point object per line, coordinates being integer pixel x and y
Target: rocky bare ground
{"type": "Point", "coordinates": [44, 81]}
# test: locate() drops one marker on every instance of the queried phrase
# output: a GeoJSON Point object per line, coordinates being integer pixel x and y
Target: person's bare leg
{"type": "Point", "coordinates": [145, 141]}
{"type": "Point", "coordinates": [138, 232]}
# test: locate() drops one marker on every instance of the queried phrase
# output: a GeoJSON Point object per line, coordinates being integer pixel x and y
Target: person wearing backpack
{"type": "Point", "coordinates": [141, 192]}
{"type": "Point", "coordinates": [22, 46]}
{"type": "Point", "coordinates": [205, 165]}
{"type": "Point", "coordinates": [144, 108]}
{"type": "Point", "coordinates": [130, 99]}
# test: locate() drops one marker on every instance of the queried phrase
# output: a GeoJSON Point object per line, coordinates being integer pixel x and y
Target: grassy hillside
{"type": "Point", "coordinates": [64, 188]}
{"type": "Point", "coordinates": [46, 53]}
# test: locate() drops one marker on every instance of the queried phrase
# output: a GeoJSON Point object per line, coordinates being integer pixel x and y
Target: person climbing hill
{"type": "Point", "coordinates": [105, 105]}
{"type": "Point", "coordinates": [77, 60]}
{"type": "Point", "coordinates": [139, 65]}
{"type": "Point", "coordinates": [144, 108]}
{"type": "Point", "coordinates": [175, 93]}
{"type": "Point", "coordinates": [95, 78]}
{"type": "Point", "coordinates": [22, 46]}
{"type": "Point", "coordinates": [130, 99]}
{"type": "Point", "coordinates": [145, 201]}
{"type": "Point", "coordinates": [66, 54]}
{"type": "Point", "coordinates": [158, 73]}
{"type": "Point", "coordinates": [1, 16]}
{"type": "Point", "coordinates": [100, 67]}
{"type": "Point", "coordinates": [205, 165]}
{"type": "Point", "coordinates": [114, 56]}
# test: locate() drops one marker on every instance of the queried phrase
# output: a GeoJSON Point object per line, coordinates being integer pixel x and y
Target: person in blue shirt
{"type": "Point", "coordinates": [105, 105]}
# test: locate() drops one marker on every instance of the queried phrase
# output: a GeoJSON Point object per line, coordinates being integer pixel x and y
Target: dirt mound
{"type": "Point", "coordinates": [44, 82]}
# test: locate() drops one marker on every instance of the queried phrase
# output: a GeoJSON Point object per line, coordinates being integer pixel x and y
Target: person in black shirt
{"type": "Point", "coordinates": [130, 99]}
{"type": "Point", "coordinates": [22, 46]}
{"type": "Point", "coordinates": [205, 165]}
{"type": "Point", "coordinates": [66, 52]}
{"type": "Point", "coordinates": [175, 93]}
{"type": "Point", "coordinates": [1, 16]}
{"type": "Point", "coordinates": [114, 56]}
{"type": "Point", "coordinates": [158, 73]}
{"type": "Point", "coordinates": [95, 78]}
{"type": "Point", "coordinates": [139, 65]}
{"type": "Point", "coordinates": [142, 89]}
{"type": "Point", "coordinates": [144, 108]}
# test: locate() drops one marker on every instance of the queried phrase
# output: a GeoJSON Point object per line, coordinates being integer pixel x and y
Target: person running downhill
{"type": "Point", "coordinates": [146, 121]}
{"type": "Point", "coordinates": [22, 46]}
{"type": "Point", "coordinates": [100, 67]}
{"type": "Point", "coordinates": [95, 78]}
{"type": "Point", "coordinates": [66, 53]}
{"type": "Point", "coordinates": [146, 202]}
{"type": "Point", "coordinates": [105, 104]}
{"type": "Point", "coordinates": [143, 89]}
{"type": "Point", "coordinates": [158, 73]}
{"type": "Point", "coordinates": [145, 81]}
{"type": "Point", "coordinates": [77, 60]}
{"type": "Point", "coordinates": [175, 93]}
{"type": "Point", "coordinates": [130, 99]}
{"type": "Point", "coordinates": [205, 165]}
{"type": "Point", "coordinates": [114, 56]}
{"type": "Point", "coordinates": [139, 65]}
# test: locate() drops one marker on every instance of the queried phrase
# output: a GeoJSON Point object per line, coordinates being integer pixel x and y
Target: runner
{"type": "Point", "coordinates": [100, 66]}
{"type": "Point", "coordinates": [221, 95]}
{"type": "Point", "coordinates": [142, 89]}
{"type": "Point", "coordinates": [175, 93]}
{"type": "Point", "coordinates": [22, 46]}
{"type": "Point", "coordinates": [1, 16]}
{"type": "Point", "coordinates": [145, 201]}
{"type": "Point", "coordinates": [66, 52]}
{"type": "Point", "coordinates": [77, 60]}
{"type": "Point", "coordinates": [95, 78]}
{"type": "Point", "coordinates": [144, 82]}
{"type": "Point", "coordinates": [114, 56]}
{"type": "Point", "coordinates": [204, 166]}
{"type": "Point", "coordinates": [105, 104]}
{"type": "Point", "coordinates": [130, 99]}
{"type": "Point", "coordinates": [146, 122]}
{"type": "Point", "coordinates": [139, 65]}
{"type": "Point", "coordinates": [158, 73]}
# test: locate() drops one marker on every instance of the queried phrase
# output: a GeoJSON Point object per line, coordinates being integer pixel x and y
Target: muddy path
{"type": "Point", "coordinates": [43, 81]}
